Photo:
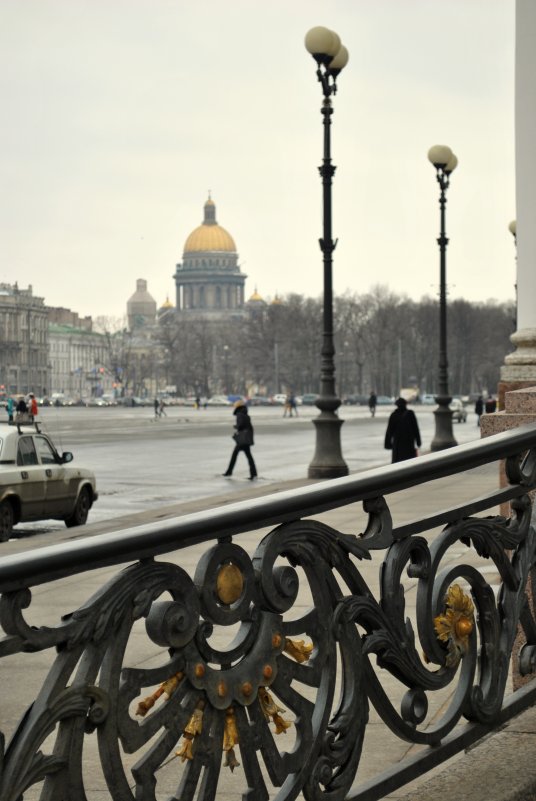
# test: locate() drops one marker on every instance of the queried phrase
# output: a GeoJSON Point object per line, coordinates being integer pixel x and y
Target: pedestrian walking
{"type": "Point", "coordinates": [372, 402]}
{"type": "Point", "coordinates": [243, 437]}
{"type": "Point", "coordinates": [291, 406]}
{"type": "Point", "coordinates": [33, 406]}
{"type": "Point", "coordinates": [156, 408]}
{"type": "Point", "coordinates": [402, 437]}
{"type": "Point", "coordinates": [479, 408]}
{"type": "Point", "coordinates": [10, 409]}
{"type": "Point", "coordinates": [162, 409]}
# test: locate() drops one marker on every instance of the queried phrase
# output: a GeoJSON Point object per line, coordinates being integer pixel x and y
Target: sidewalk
{"type": "Point", "coordinates": [499, 769]}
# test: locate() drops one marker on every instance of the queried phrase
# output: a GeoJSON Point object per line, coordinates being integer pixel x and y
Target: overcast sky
{"type": "Point", "coordinates": [120, 115]}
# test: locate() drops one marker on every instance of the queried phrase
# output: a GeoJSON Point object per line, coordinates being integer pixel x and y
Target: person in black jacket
{"type": "Point", "coordinates": [243, 438]}
{"type": "Point", "coordinates": [402, 436]}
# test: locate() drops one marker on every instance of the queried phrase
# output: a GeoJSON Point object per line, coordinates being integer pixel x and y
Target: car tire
{"type": "Point", "coordinates": [81, 509]}
{"type": "Point", "coordinates": [6, 521]}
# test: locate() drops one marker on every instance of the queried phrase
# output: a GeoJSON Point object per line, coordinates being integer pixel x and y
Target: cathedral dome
{"type": "Point", "coordinates": [209, 236]}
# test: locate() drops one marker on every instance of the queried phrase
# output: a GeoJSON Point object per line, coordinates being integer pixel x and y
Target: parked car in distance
{"type": "Point", "coordinates": [36, 482]}
{"type": "Point", "coordinates": [219, 400]}
{"type": "Point", "coordinates": [260, 400]}
{"type": "Point", "coordinates": [356, 400]}
{"type": "Point", "coordinates": [459, 412]}
{"type": "Point", "coordinates": [280, 398]}
{"type": "Point", "coordinates": [309, 399]}
{"type": "Point", "coordinates": [384, 400]}
{"type": "Point", "coordinates": [427, 399]}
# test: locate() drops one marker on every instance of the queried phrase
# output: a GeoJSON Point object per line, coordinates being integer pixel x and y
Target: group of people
{"type": "Point", "coordinates": [291, 406]}
{"type": "Point", "coordinates": [402, 437]}
{"type": "Point", "coordinates": [159, 409]}
{"type": "Point", "coordinates": [21, 408]}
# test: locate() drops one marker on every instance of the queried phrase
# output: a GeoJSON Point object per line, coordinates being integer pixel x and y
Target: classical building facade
{"type": "Point", "coordinates": [24, 364]}
{"type": "Point", "coordinates": [209, 282]}
{"type": "Point", "coordinates": [78, 360]}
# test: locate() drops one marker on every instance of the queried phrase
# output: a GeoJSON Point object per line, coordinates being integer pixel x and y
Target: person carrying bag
{"type": "Point", "coordinates": [243, 437]}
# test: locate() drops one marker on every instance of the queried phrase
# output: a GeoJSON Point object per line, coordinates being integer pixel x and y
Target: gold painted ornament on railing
{"type": "Point", "coordinates": [167, 688]}
{"type": "Point", "coordinates": [456, 624]}
{"type": "Point", "coordinates": [193, 728]}
{"type": "Point", "coordinates": [271, 710]}
{"type": "Point", "coordinates": [230, 739]}
{"type": "Point", "coordinates": [298, 649]}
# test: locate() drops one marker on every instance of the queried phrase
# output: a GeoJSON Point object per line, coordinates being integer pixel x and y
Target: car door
{"type": "Point", "coordinates": [59, 496]}
{"type": "Point", "coordinates": [32, 486]}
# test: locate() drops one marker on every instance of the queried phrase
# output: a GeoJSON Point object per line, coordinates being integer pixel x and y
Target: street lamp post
{"type": "Point", "coordinates": [226, 367]}
{"type": "Point", "coordinates": [444, 162]}
{"type": "Point", "coordinates": [330, 56]}
{"type": "Point", "coordinates": [513, 230]}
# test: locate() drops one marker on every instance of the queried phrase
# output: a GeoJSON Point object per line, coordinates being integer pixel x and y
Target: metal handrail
{"type": "Point", "coordinates": [151, 539]}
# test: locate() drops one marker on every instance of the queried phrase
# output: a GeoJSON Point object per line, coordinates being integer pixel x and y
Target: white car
{"type": "Point", "coordinates": [459, 412]}
{"type": "Point", "coordinates": [36, 483]}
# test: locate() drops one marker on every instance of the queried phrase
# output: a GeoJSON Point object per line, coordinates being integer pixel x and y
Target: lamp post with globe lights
{"type": "Point", "coordinates": [331, 57]}
{"type": "Point", "coordinates": [445, 163]}
{"type": "Point", "coordinates": [513, 230]}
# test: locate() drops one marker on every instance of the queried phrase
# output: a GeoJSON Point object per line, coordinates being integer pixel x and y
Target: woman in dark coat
{"type": "Point", "coordinates": [243, 438]}
{"type": "Point", "coordinates": [402, 436]}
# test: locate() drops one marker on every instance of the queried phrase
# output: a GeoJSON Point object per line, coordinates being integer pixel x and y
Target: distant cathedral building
{"type": "Point", "coordinates": [141, 307]}
{"type": "Point", "coordinates": [209, 283]}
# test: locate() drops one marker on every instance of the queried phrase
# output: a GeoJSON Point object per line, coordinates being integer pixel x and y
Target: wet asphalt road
{"type": "Point", "coordinates": [143, 464]}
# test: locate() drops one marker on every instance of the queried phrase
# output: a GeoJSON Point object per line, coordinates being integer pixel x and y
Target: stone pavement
{"type": "Point", "coordinates": [499, 769]}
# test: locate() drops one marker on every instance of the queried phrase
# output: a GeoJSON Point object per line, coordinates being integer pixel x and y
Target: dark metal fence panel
{"type": "Point", "coordinates": [263, 667]}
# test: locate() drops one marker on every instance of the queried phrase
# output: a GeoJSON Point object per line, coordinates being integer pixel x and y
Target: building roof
{"type": "Point", "coordinates": [209, 236]}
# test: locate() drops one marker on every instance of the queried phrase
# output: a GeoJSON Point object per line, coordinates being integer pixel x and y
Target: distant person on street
{"type": "Point", "coordinates": [10, 409]}
{"type": "Point", "coordinates": [21, 407]}
{"type": "Point", "coordinates": [33, 406]}
{"type": "Point", "coordinates": [290, 405]}
{"type": "Point", "coordinates": [479, 408]}
{"type": "Point", "coordinates": [372, 402]}
{"type": "Point", "coordinates": [156, 408]}
{"type": "Point", "coordinates": [162, 409]}
{"type": "Point", "coordinates": [402, 437]}
{"type": "Point", "coordinates": [243, 438]}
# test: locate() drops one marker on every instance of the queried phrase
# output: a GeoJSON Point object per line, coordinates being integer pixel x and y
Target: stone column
{"type": "Point", "coordinates": [519, 368]}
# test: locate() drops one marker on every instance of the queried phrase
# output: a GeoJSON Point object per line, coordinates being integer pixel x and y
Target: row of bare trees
{"type": "Point", "coordinates": [383, 342]}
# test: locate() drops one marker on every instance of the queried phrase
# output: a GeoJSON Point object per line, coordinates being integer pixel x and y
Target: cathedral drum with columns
{"type": "Point", "coordinates": [209, 283]}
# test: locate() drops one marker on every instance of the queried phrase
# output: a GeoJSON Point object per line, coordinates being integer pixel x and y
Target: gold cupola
{"type": "Point", "coordinates": [209, 236]}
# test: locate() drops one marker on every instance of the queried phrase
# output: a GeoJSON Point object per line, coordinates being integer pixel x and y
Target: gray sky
{"type": "Point", "coordinates": [120, 115]}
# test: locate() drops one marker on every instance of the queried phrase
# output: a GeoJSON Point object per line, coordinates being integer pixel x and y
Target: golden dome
{"type": "Point", "coordinates": [209, 236]}
{"type": "Point", "coordinates": [167, 304]}
{"type": "Point", "coordinates": [256, 297]}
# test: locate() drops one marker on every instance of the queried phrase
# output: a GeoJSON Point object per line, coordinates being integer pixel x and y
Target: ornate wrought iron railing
{"type": "Point", "coordinates": [280, 709]}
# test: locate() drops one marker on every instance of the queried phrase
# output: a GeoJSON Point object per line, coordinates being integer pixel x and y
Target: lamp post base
{"type": "Point", "coordinates": [328, 461]}
{"type": "Point", "coordinates": [443, 438]}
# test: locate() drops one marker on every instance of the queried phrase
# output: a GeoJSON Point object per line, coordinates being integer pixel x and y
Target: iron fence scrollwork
{"type": "Point", "coordinates": [284, 699]}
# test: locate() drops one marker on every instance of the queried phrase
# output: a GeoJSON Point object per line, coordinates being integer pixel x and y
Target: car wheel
{"type": "Point", "coordinates": [81, 509]}
{"type": "Point", "coordinates": [6, 521]}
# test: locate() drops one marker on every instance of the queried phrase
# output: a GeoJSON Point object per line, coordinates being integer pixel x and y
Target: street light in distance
{"type": "Point", "coordinates": [445, 162]}
{"type": "Point", "coordinates": [331, 57]}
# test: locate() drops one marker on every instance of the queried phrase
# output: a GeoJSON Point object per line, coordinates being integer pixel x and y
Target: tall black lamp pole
{"type": "Point", "coordinates": [330, 56]}
{"type": "Point", "coordinates": [513, 230]}
{"type": "Point", "coordinates": [444, 162]}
